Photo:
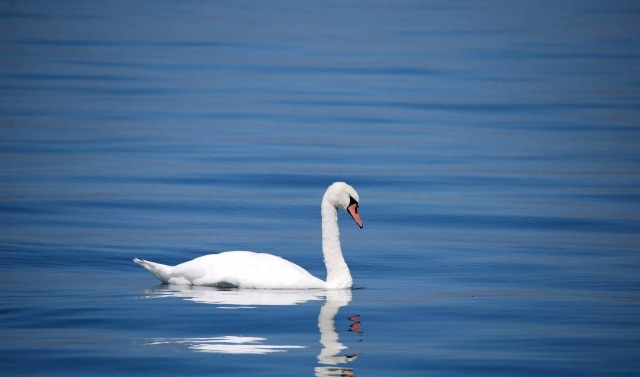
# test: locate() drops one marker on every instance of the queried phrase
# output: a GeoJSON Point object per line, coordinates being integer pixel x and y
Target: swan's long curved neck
{"type": "Point", "coordinates": [338, 275]}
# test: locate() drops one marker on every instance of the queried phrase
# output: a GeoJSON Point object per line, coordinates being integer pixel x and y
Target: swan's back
{"type": "Point", "coordinates": [244, 269]}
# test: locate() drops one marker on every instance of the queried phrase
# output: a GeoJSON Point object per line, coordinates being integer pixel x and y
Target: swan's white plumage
{"type": "Point", "coordinates": [246, 269]}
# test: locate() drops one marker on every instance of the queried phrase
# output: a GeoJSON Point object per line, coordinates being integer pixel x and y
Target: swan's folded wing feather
{"type": "Point", "coordinates": [189, 271]}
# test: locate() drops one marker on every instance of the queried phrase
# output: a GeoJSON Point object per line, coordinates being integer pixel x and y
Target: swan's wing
{"type": "Point", "coordinates": [253, 270]}
{"type": "Point", "coordinates": [189, 271]}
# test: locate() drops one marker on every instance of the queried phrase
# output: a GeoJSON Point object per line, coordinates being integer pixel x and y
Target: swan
{"type": "Point", "coordinates": [246, 269]}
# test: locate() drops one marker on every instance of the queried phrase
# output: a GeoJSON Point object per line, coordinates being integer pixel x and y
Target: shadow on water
{"type": "Point", "coordinates": [331, 356]}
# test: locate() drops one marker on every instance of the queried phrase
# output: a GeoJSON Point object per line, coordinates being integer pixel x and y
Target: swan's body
{"type": "Point", "coordinates": [246, 269]}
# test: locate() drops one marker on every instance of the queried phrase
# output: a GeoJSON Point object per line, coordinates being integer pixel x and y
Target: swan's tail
{"type": "Point", "coordinates": [161, 271]}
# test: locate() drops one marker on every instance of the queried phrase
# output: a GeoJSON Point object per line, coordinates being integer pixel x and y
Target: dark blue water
{"type": "Point", "coordinates": [495, 147]}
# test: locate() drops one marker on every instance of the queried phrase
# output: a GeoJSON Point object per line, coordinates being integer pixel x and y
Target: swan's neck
{"type": "Point", "coordinates": [338, 275]}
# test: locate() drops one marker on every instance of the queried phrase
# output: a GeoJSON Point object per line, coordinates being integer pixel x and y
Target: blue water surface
{"type": "Point", "coordinates": [495, 147]}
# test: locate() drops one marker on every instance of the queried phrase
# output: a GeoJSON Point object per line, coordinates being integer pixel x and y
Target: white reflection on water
{"type": "Point", "coordinates": [239, 298]}
{"type": "Point", "coordinates": [329, 355]}
{"type": "Point", "coordinates": [227, 344]}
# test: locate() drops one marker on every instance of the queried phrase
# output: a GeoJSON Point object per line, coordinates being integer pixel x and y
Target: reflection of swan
{"type": "Point", "coordinates": [329, 337]}
{"type": "Point", "coordinates": [331, 347]}
{"type": "Point", "coordinates": [245, 269]}
{"type": "Point", "coordinates": [237, 297]}
{"type": "Point", "coordinates": [232, 299]}
{"type": "Point", "coordinates": [227, 344]}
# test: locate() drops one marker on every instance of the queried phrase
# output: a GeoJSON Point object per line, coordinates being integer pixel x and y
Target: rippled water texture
{"type": "Point", "coordinates": [495, 147]}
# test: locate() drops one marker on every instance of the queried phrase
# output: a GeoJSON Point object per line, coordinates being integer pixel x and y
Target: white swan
{"type": "Point", "coordinates": [246, 269]}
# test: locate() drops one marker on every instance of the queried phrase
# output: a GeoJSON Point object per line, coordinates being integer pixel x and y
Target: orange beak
{"type": "Point", "coordinates": [353, 211]}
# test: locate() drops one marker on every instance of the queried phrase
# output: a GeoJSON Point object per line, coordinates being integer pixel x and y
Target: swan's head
{"type": "Point", "coordinates": [341, 195]}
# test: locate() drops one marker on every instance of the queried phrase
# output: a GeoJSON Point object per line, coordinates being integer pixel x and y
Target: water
{"type": "Point", "coordinates": [495, 148]}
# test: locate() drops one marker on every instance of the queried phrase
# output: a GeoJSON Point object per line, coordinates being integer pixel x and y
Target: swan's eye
{"type": "Point", "coordinates": [352, 201]}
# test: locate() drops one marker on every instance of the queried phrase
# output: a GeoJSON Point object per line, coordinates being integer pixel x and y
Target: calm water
{"type": "Point", "coordinates": [495, 148]}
